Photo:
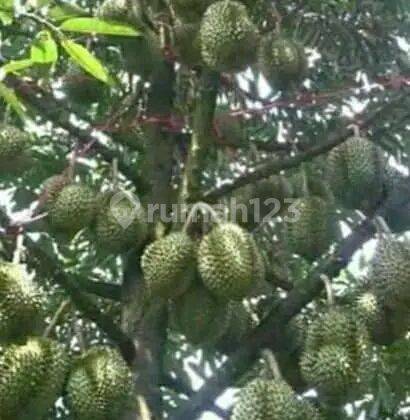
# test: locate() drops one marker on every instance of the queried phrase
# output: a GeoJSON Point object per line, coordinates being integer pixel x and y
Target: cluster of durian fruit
{"type": "Point", "coordinates": [221, 35]}
{"type": "Point", "coordinates": [36, 370]}
{"type": "Point", "coordinates": [205, 279]}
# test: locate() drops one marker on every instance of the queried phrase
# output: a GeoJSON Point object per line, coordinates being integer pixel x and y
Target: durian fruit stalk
{"type": "Point", "coordinates": [51, 189]}
{"type": "Point", "coordinates": [200, 317]}
{"type": "Point", "coordinates": [169, 265]}
{"type": "Point", "coordinates": [282, 61]}
{"type": "Point", "coordinates": [32, 377]}
{"type": "Point", "coordinates": [229, 39]}
{"type": "Point", "coordinates": [356, 173]}
{"type": "Point", "coordinates": [100, 386]}
{"type": "Point", "coordinates": [226, 261]}
{"type": "Point", "coordinates": [74, 209]}
{"type": "Point", "coordinates": [120, 225]}
{"type": "Point", "coordinates": [21, 303]}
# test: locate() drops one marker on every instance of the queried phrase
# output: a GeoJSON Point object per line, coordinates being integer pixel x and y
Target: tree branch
{"type": "Point", "coordinates": [275, 166]}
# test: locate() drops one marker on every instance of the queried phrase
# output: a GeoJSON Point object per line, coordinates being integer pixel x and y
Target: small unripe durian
{"type": "Point", "coordinates": [100, 386]}
{"type": "Point", "coordinates": [74, 209]}
{"type": "Point", "coordinates": [228, 37]}
{"type": "Point", "coordinates": [21, 303]}
{"type": "Point", "coordinates": [226, 261]}
{"type": "Point", "coordinates": [168, 265]}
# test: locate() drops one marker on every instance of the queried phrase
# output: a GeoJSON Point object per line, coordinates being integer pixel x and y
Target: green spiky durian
{"type": "Point", "coordinates": [168, 265]}
{"type": "Point", "coordinates": [356, 173]}
{"type": "Point", "coordinates": [282, 61]}
{"type": "Point", "coordinates": [32, 377]}
{"type": "Point", "coordinates": [190, 10]}
{"type": "Point", "coordinates": [200, 316]}
{"type": "Point", "coordinates": [99, 386]}
{"type": "Point", "coordinates": [228, 37]}
{"type": "Point", "coordinates": [52, 187]}
{"type": "Point", "coordinates": [264, 399]}
{"type": "Point", "coordinates": [367, 308]}
{"type": "Point", "coordinates": [311, 227]}
{"type": "Point", "coordinates": [21, 303]}
{"type": "Point", "coordinates": [187, 43]}
{"type": "Point", "coordinates": [310, 412]}
{"type": "Point", "coordinates": [74, 209]}
{"type": "Point", "coordinates": [331, 369]}
{"type": "Point", "coordinates": [390, 271]}
{"type": "Point", "coordinates": [14, 149]}
{"type": "Point", "coordinates": [115, 231]}
{"type": "Point", "coordinates": [226, 261]}
{"type": "Point", "coordinates": [334, 327]}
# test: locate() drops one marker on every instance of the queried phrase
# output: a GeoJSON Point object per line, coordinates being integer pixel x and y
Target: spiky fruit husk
{"type": "Point", "coordinates": [80, 87]}
{"type": "Point", "coordinates": [331, 369]}
{"type": "Point", "coordinates": [390, 271]}
{"type": "Point", "coordinates": [187, 43]}
{"type": "Point", "coordinates": [264, 399]}
{"type": "Point", "coordinates": [310, 412]}
{"type": "Point", "coordinates": [356, 173]}
{"type": "Point", "coordinates": [168, 265]}
{"type": "Point", "coordinates": [13, 142]}
{"type": "Point", "coordinates": [200, 316]}
{"type": "Point", "coordinates": [21, 303]}
{"type": "Point", "coordinates": [113, 231]}
{"type": "Point", "coordinates": [282, 61]}
{"type": "Point", "coordinates": [226, 261]}
{"type": "Point", "coordinates": [367, 309]}
{"type": "Point", "coordinates": [14, 149]}
{"type": "Point", "coordinates": [52, 188]}
{"type": "Point", "coordinates": [190, 10]}
{"type": "Point", "coordinates": [74, 209]}
{"type": "Point", "coordinates": [228, 37]}
{"type": "Point", "coordinates": [116, 10]}
{"type": "Point", "coordinates": [311, 227]}
{"type": "Point", "coordinates": [334, 327]}
{"type": "Point", "coordinates": [32, 377]}
{"type": "Point", "coordinates": [100, 386]}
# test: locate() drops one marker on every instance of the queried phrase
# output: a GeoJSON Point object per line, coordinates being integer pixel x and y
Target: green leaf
{"type": "Point", "coordinates": [86, 60]}
{"type": "Point", "coordinates": [6, 17]}
{"type": "Point", "coordinates": [11, 99]}
{"type": "Point", "coordinates": [65, 11]}
{"type": "Point", "coordinates": [44, 49]}
{"type": "Point", "coordinates": [15, 66]}
{"type": "Point", "coordinates": [99, 26]}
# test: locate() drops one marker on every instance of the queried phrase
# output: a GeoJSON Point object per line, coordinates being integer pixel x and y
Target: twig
{"type": "Point", "coordinates": [56, 318]}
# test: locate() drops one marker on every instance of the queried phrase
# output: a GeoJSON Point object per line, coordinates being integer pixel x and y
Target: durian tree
{"type": "Point", "coordinates": [200, 197]}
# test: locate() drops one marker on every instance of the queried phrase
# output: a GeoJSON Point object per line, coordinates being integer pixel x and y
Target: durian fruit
{"type": "Point", "coordinates": [114, 230]}
{"type": "Point", "coordinates": [51, 189]}
{"type": "Point", "coordinates": [228, 37]}
{"type": "Point", "coordinates": [187, 43]}
{"type": "Point", "coordinates": [74, 209]}
{"type": "Point", "coordinates": [14, 149]}
{"type": "Point", "coordinates": [21, 303]}
{"type": "Point", "coordinates": [264, 399]}
{"type": "Point", "coordinates": [226, 261]}
{"type": "Point", "coordinates": [333, 327]}
{"type": "Point", "coordinates": [200, 317]}
{"type": "Point", "coordinates": [390, 271]}
{"type": "Point", "coordinates": [355, 170]}
{"type": "Point", "coordinates": [311, 227]}
{"type": "Point", "coordinates": [331, 369]}
{"type": "Point", "coordinates": [168, 265]}
{"type": "Point", "coordinates": [367, 308]}
{"type": "Point", "coordinates": [117, 10]}
{"type": "Point", "coordinates": [32, 377]}
{"type": "Point", "coordinates": [80, 87]}
{"type": "Point", "coordinates": [100, 386]}
{"type": "Point", "coordinates": [282, 61]}
{"type": "Point", "coordinates": [190, 11]}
